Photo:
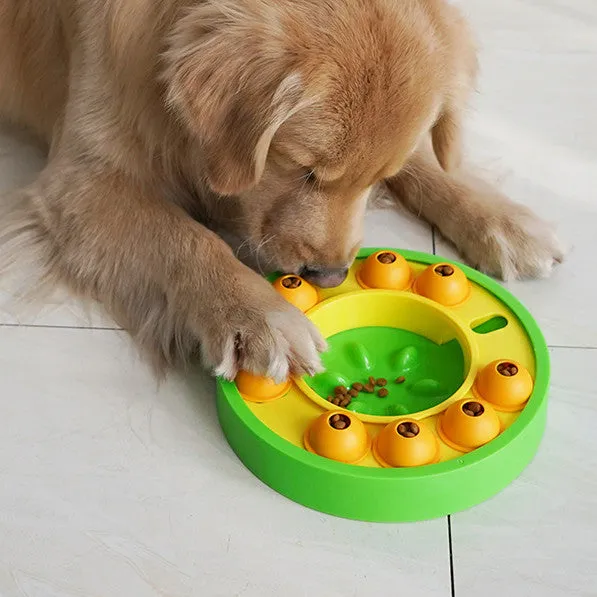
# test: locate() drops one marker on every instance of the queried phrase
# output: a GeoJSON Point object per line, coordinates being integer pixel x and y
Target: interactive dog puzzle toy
{"type": "Point", "coordinates": [434, 396]}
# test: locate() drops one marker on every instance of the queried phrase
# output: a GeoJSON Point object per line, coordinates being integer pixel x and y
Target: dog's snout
{"type": "Point", "coordinates": [325, 277]}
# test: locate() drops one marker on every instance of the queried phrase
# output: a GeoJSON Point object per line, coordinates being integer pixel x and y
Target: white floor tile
{"type": "Point", "coordinates": [111, 485]}
{"type": "Point", "coordinates": [538, 538]}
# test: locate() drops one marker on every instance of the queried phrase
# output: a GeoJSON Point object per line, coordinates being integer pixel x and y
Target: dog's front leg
{"type": "Point", "coordinates": [175, 285]}
{"type": "Point", "coordinates": [492, 232]}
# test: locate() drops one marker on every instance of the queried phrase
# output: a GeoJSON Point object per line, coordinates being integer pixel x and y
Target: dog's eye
{"type": "Point", "coordinates": [311, 177]}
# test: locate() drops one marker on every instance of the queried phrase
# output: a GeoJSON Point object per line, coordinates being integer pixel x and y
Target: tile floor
{"type": "Point", "coordinates": [110, 485]}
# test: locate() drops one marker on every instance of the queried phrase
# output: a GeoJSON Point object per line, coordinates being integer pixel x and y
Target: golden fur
{"type": "Point", "coordinates": [274, 120]}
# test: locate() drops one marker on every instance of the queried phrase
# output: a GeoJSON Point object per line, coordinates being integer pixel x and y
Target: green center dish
{"type": "Point", "coordinates": [431, 372]}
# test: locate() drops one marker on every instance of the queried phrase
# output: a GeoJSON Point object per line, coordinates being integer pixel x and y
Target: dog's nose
{"type": "Point", "coordinates": [324, 277]}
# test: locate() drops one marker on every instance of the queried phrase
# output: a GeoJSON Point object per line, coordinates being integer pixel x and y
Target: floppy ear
{"type": "Point", "coordinates": [233, 86]}
{"type": "Point", "coordinates": [446, 136]}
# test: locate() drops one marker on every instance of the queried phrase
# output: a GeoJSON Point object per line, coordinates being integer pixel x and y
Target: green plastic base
{"type": "Point", "coordinates": [394, 495]}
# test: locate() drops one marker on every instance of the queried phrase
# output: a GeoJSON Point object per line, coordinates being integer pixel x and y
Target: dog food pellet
{"type": "Point", "coordinates": [408, 429]}
{"type": "Point", "coordinates": [444, 270]}
{"type": "Point", "coordinates": [337, 400]}
{"type": "Point", "coordinates": [340, 390]}
{"type": "Point", "coordinates": [339, 421]}
{"type": "Point", "coordinates": [473, 409]}
{"type": "Point", "coordinates": [401, 379]}
{"type": "Point", "coordinates": [357, 386]}
{"type": "Point", "coordinates": [507, 369]}
{"type": "Point", "coordinates": [381, 382]}
{"type": "Point", "coordinates": [291, 282]}
{"type": "Point", "coordinates": [369, 388]}
{"type": "Point", "coordinates": [382, 393]}
{"type": "Point", "coordinates": [353, 393]}
{"type": "Point", "coordinates": [372, 380]}
{"type": "Point", "coordinates": [345, 402]}
{"type": "Point", "coordinates": [386, 258]}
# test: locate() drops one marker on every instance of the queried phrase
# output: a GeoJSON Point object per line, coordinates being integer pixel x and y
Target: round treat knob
{"type": "Point", "coordinates": [338, 435]}
{"type": "Point", "coordinates": [297, 291]}
{"type": "Point", "coordinates": [444, 283]}
{"type": "Point", "coordinates": [255, 388]}
{"type": "Point", "coordinates": [385, 269]}
{"type": "Point", "coordinates": [468, 424]}
{"type": "Point", "coordinates": [506, 384]}
{"type": "Point", "coordinates": [406, 443]}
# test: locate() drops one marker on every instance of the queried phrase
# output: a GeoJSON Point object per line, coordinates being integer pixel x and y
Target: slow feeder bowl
{"type": "Point", "coordinates": [349, 444]}
{"type": "Point", "coordinates": [297, 291]}
{"type": "Point", "coordinates": [256, 388]}
{"type": "Point", "coordinates": [437, 350]}
{"type": "Point", "coordinates": [468, 424]}
{"type": "Point", "coordinates": [385, 270]}
{"type": "Point", "coordinates": [506, 384]}
{"type": "Point", "coordinates": [405, 442]}
{"type": "Point", "coordinates": [444, 283]}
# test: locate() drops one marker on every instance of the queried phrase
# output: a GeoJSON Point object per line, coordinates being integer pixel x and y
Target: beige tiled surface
{"type": "Point", "coordinates": [113, 485]}
{"type": "Point", "coordinates": [110, 485]}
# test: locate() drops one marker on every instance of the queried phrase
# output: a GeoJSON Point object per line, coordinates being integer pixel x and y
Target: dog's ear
{"type": "Point", "coordinates": [446, 136]}
{"type": "Point", "coordinates": [231, 82]}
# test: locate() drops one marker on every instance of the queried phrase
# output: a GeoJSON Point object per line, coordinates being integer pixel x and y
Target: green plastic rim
{"type": "Point", "coordinates": [404, 494]}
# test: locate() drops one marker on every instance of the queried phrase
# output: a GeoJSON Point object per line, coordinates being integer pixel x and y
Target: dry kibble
{"type": "Point", "coordinates": [444, 270]}
{"type": "Point", "coordinates": [382, 393]}
{"type": "Point", "coordinates": [386, 258]}
{"type": "Point", "coordinates": [369, 388]}
{"type": "Point", "coordinates": [353, 393]}
{"type": "Point", "coordinates": [337, 400]}
{"type": "Point", "coordinates": [408, 429]}
{"type": "Point", "coordinates": [372, 380]}
{"type": "Point", "coordinates": [473, 409]}
{"type": "Point", "coordinates": [401, 379]}
{"type": "Point", "coordinates": [338, 421]}
{"type": "Point", "coordinates": [357, 386]}
{"type": "Point", "coordinates": [381, 382]}
{"type": "Point", "coordinates": [340, 390]}
{"type": "Point", "coordinates": [291, 282]}
{"type": "Point", "coordinates": [345, 402]}
{"type": "Point", "coordinates": [507, 369]}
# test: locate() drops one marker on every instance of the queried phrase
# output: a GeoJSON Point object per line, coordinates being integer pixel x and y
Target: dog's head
{"type": "Point", "coordinates": [301, 106]}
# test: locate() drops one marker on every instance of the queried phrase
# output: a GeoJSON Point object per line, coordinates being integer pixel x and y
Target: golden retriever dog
{"type": "Point", "coordinates": [170, 121]}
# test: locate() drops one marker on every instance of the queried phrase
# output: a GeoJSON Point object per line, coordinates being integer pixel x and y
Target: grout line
{"type": "Point", "coordinates": [59, 327]}
{"type": "Point", "coordinates": [452, 583]}
{"type": "Point", "coordinates": [572, 347]}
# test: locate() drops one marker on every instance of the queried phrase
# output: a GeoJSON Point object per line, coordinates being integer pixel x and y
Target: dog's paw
{"type": "Point", "coordinates": [269, 337]}
{"type": "Point", "coordinates": [513, 244]}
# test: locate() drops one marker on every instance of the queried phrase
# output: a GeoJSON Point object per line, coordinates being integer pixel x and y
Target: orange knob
{"type": "Point", "coordinates": [506, 384]}
{"type": "Point", "coordinates": [297, 291]}
{"type": "Point", "coordinates": [338, 435]}
{"type": "Point", "coordinates": [406, 443]}
{"type": "Point", "coordinates": [255, 388]}
{"type": "Point", "coordinates": [385, 269]}
{"type": "Point", "coordinates": [468, 424]}
{"type": "Point", "coordinates": [444, 283]}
